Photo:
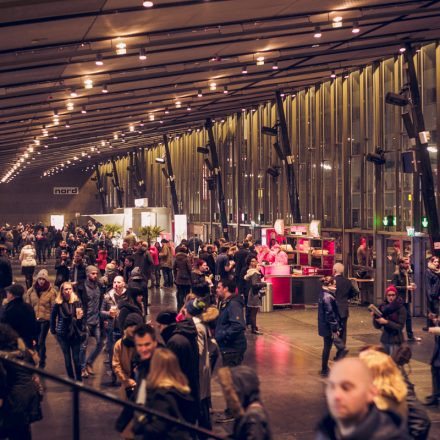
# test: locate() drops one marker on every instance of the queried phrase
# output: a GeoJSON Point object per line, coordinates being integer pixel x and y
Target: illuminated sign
{"type": "Point", "coordinates": [66, 190]}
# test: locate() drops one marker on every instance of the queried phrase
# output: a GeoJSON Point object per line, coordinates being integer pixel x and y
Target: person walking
{"type": "Point", "coordinates": [66, 322]}
{"type": "Point", "coordinates": [28, 263]}
{"type": "Point", "coordinates": [402, 280]}
{"type": "Point", "coordinates": [182, 275]}
{"type": "Point", "coordinates": [344, 292]}
{"type": "Point", "coordinates": [41, 296]}
{"type": "Point", "coordinates": [391, 321]}
{"type": "Point", "coordinates": [432, 288]}
{"type": "Point", "coordinates": [132, 304]}
{"type": "Point", "coordinates": [329, 324]}
{"type": "Point", "coordinates": [40, 245]}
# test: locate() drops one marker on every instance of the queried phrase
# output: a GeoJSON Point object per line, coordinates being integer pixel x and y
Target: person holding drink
{"type": "Point", "coordinates": [66, 322]}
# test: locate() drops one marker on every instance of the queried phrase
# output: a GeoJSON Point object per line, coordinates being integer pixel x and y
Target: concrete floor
{"type": "Point", "coordinates": [287, 358]}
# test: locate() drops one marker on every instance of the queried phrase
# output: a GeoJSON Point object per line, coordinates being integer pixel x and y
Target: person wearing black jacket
{"type": "Point", "coordinates": [62, 267]}
{"type": "Point", "coordinates": [207, 255]}
{"type": "Point", "coordinates": [344, 292]}
{"type": "Point", "coordinates": [20, 315]}
{"type": "Point", "coordinates": [432, 288]}
{"type": "Point", "coordinates": [181, 339]}
{"type": "Point", "coordinates": [139, 281]}
{"type": "Point", "coordinates": [133, 304]}
{"type": "Point", "coordinates": [201, 283]}
{"type": "Point", "coordinates": [182, 274]}
{"type": "Point", "coordinates": [5, 271]}
{"type": "Point", "coordinates": [78, 274]}
{"type": "Point", "coordinates": [241, 260]}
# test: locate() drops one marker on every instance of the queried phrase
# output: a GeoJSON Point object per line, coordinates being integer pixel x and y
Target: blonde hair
{"type": "Point", "coordinates": [165, 371]}
{"type": "Point", "coordinates": [60, 299]}
{"type": "Point", "coordinates": [387, 378]}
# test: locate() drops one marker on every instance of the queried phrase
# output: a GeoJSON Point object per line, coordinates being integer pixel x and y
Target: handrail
{"type": "Point", "coordinates": [80, 387]}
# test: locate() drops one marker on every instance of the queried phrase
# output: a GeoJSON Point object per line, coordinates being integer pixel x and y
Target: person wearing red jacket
{"type": "Point", "coordinates": [155, 272]}
{"type": "Point", "coordinates": [101, 261]}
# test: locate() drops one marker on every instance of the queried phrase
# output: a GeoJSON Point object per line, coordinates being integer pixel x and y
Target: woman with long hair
{"type": "Point", "coordinates": [66, 322]}
{"type": "Point", "coordinates": [168, 392]}
{"type": "Point", "coordinates": [388, 380]}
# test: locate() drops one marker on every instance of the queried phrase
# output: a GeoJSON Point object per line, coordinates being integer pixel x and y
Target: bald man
{"type": "Point", "coordinates": [353, 416]}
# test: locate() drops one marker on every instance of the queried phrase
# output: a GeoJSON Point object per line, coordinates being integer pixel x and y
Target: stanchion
{"type": "Point", "coordinates": [267, 300]}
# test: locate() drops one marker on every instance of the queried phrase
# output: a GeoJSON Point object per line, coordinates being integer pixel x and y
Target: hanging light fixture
{"type": "Point", "coordinates": [199, 93]}
{"type": "Point", "coordinates": [244, 70]}
{"type": "Point", "coordinates": [142, 54]}
{"type": "Point", "coordinates": [260, 61]}
{"type": "Point", "coordinates": [73, 93]}
{"type": "Point", "coordinates": [69, 105]}
{"type": "Point", "coordinates": [178, 104]}
{"type": "Point", "coordinates": [104, 89]}
{"type": "Point", "coordinates": [83, 110]}
{"type": "Point", "coordinates": [121, 48]}
{"type": "Point", "coordinates": [212, 86]}
{"type": "Point", "coordinates": [275, 66]}
{"type": "Point", "coordinates": [99, 61]}
{"type": "Point", "coordinates": [356, 28]}
{"type": "Point", "coordinates": [225, 90]}
{"type": "Point", "coordinates": [151, 117]}
{"type": "Point", "coordinates": [318, 33]}
{"type": "Point", "coordinates": [88, 83]}
{"type": "Point", "coordinates": [148, 4]}
{"type": "Point", "coordinates": [333, 74]}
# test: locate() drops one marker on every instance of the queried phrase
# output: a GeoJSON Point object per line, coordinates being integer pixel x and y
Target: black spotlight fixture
{"type": "Point", "coordinates": [203, 150]}
{"type": "Point", "coordinates": [378, 158]}
{"type": "Point", "coordinates": [269, 131]}
{"type": "Point", "coordinates": [273, 171]}
{"type": "Point", "coordinates": [396, 99]}
{"type": "Point", "coordinates": [211, 183]}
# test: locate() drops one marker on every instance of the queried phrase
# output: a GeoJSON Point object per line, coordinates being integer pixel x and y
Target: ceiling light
{"type": "Point", "coordinates": [131, 128]}
{"type": "Point", "coordinates": [225, 90]}
{"type": "Point", "coordinates": [333, 74]}
{"type": "Point", "coordinates": [56, 121]}
{"type": "Point", "coordinates": [189, 107]}
{"type": "Point", "coordinates": [275, 66]}
{"type": "Point", "coordinates": [159, 160]}
{"type": "Point", "coordinates": [88, 83]}
{"type": "Point", "coordinates": [103, 143]}
{"type": "Point", "coordinates": [99, 61]}
{"type": "Point", "coordinates": [346, 75]}
{"type": "Point", "coordinates": [121, 48]}
{"type": "Point", "coordinates": [37, 142]}
{"type": "Point", "coordinates": [260, 61]}
{"type": "Point", "coordinates": [67, 124]}
{"type": "Point", "coordinates": [317, 33]}
{"type": "Point", "coordinates": [337, 19]}
{"type": "Point", "coordinates": [147, 4]}
{"type": "Point", "coordinates": [73, 93]}
{"type": "Point", "coordinates": [55, 114]}
{"type": "Point", "coordinates": [26, 155]}
{"type": "Point", "coordinates": [167, 111]}
{"type": "Point", "coordinates": [244, 70]}
{"type": "Point", "coordinates": [104, 89]}
{"type": "Point", "coordinates": [212, 86]}
{"type": "Point", "coordinates": [83, 110]}
{"type": "Point", "coordinates": [115, 136]}
{"type": "Point", "coordinates": [69, 105]}
{"type": "Point", "coordinates": [356, 28]}
{"type": "Point", "coordinates": [402, 49]}
{"type": "Point", "coordinates": [142, 54]}
{"type": "Point", "coordinates": [31, 149]}
{"type": "Point", "coordinates": [178, 104]}
{"type": "Point", "coordinates": [151, 117]}
{"type": "Point", "coordinates": [199, 93]}
{"type": "Point", "coordinates": [337, 22]}
{"type": "Point", "coordinates": [92, 149]}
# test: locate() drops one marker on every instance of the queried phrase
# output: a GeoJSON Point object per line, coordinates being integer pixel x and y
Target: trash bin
{"type": "Point", "coordinates": [267, 300]}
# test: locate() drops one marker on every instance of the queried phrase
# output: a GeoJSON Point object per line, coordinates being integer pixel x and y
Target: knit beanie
{"type": "Point", "coordinates": [195, 307]}
{"type": "Point", "coordinates": [391, 288]}
{"type": "Point", "coordinates": [166, 317]}
{"type": "Point", "coordinates": [90, 269]}
{"type": "Point", "coordinates": [43, 274]}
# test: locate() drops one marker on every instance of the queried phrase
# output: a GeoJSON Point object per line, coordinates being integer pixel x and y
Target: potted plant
{"type": "Point", "coordinates": [111, 230]}
{"type": "Point", "coordinates": [150, 233]}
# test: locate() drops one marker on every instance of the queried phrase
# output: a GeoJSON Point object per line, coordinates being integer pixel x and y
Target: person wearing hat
{"type": "Point", "coordinates": [124, 353]}
{"type": "Point", "coordinates": [139, 281]}
{"type": "Point", "coordinates": [132, 304]}
{"type": "Point", "coordinates": [91, 299]}
{"type": "Point", "coordinates": [41, 296]}
{"type": "Point", "coordinates": [20, 315]}
{"type": "Point", "coordinates": [5, 271]}
{"type": "Point", "coordinates": [392, 320]}
{"type": "Point", "coordinates": [181, 339]}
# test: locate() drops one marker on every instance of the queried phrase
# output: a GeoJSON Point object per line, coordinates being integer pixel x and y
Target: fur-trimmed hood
{"type": "Point", "coordinates": [209, 315]}
{"type": "Point", "coordinates": [241, 388]}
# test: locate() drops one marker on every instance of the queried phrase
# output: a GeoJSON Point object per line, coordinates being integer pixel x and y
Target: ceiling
{"type": "Point", "coordinates": [48, 49]}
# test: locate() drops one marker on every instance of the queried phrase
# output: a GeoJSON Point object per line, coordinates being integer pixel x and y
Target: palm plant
{"type": "Point", "coordinates": [150, 233]}
{"type": "Point", "coordinates": [111, 230]}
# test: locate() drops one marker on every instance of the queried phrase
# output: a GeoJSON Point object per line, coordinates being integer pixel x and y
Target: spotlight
{"type": "Point", "coordinates": [402, 49]}
{"type": "Point", "coordinates": [83, 110]}
{"type": "Point", "coordinates": [378, 158]}
{"type": "Point", "coordinates": [121, 48]}
{"type": "Point", "coordinates": [69, 105]}
{"type": "Point", "coordinates": [317, 33]}
{"type": "Point", "coordinates": [88, 83]}
{"type": "Point", "coordinates": [212, 86]}
{"type": "Point", "coordinates": [356, 28]}
{"type": "Point", "coordinates": [151, 117]}
{"type": "Point", "coordinates": [73, 93]}
{"type": "Point", "coordinates": [244, 70]}
{"type": "Point", "coordinates": [147, 4]}
{"type": "Point", "coordinates": [167, 112]}
{"type": "Point", "coordinates": [337, 22]}
{"type": "Point", "coordinates": [142, 54]}
{"type": "Point", "coordinates": [225, 90]}
{"type": "Point", "coordinates": [269, 131]}
{"type": "Point", "coordinates": [273, 171]}
{"type": "Point", "coordinates": [104, 89]}
{"type": "Point", "coordinates": [131, 128]}
{"type": "Point", "coordinates": [99, 61]}
{"type": "Point", "coordinates": [396, 99]}
{"type": "Point", "coordinates": [203, 150]}
{"type": "Point", "coordinates": [333, 74]}
{"type": "Point", "coordinates": [159, 160]}
{"type": "Point", "coordinates": [178, 104]}
{"type": "Point", "coordinates": [275, 66]}
{"type": "Point", "coordinates": [199, 93]}
{"type": "Point", "coordinates": [260, 61]}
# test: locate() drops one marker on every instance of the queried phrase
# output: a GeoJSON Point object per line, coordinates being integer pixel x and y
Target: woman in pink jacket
{"type": "Point", "coordinates": [155, 272]}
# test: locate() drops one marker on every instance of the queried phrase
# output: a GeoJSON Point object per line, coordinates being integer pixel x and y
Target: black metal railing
{"type": "Point", "coordinates": [78, 388]}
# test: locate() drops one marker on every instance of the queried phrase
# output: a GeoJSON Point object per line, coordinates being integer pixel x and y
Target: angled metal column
{"type": "Point", "coordinates": [288, 161]}
{"type": "Point", "coordinates": [100, 188]}
{"type": "Point", "coordinates": [427, 180]}
{"type": "Point", "coordinates": [140, 183]}
{"type": "Point", "coordinates": [218, 179]}
{"type": "Point", "coordinates": [171, 176]}
{"type": "Point", "coordinates": [115, 182]}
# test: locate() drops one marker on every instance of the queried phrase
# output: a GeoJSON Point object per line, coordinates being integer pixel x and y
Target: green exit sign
{"type": "Point", "coordinates": [424, 222]}
{"type": "Point", "coordinates": [389, 220]}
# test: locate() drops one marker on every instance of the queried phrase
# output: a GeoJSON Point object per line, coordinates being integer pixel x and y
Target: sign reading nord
{"type": "Point", "coordinates": [65, 190]}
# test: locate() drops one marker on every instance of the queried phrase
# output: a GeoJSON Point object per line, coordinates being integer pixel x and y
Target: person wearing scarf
{"type": "Point", "coordinates": [392, 320]}
{"type": "Point", "coordinates": [41, 296]}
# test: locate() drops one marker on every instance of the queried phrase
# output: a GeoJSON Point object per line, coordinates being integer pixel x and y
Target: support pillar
{"type": "Point", "coordinates": [100, 188]}
{"type": "Point", "coordinates": [171, 176]}
{"type": "Point", "coordinates": [115, 182]}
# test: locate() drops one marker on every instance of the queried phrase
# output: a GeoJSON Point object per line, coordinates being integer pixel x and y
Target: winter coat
{"type": "Point", "coordinates": [91, 299]}
{"type": "Point", "coordinates": [21, 400]}
{"type": "Point", "coordinates": [344, 292]}
{"type": "Point", "coordinates": [43, 303]}
{"type": "Point", "coordinates": [154, 255]}
{"type": "Point", "coordinates": [329, 320]}
{"type": "Point", "coordinates": [377, 425]}
{"type": "Point", "coordinates": [395, 313]}
{"type": "Point", "coordinates": [240, 258]}
{"type": "Point", "coordinates": [230, 328]}
{"type": "Point", "coordinates": [27, 256]}
{"type": "Point", "coordinates": [123, 354]}
{"type": "Point", "coordinates": [210, 260]}
{"type": "Point", "coordinates": [62, 272]}
{"type": "Point", "coordinates": [166, 256]}
{"type": "Point", "coordinates": [182, 270]}
{"type": "Point", "coordinates": [21, 317]}
{"type": "Point", "coordinates": [169, 401]}
{"type": "Point", "coordinates": [112, 299]}
{"type": "Point", "coordinates": [253, 278]}
{"type": "Point", "coordinates": [204, 365]}
{"type": "Point", "coordinates": [63, 319]}
{"type": "Point", "coordinates": [241, 389]}
{"type": "Point", "coordinates": [432, 283]}
{"type": "Point", "coordinates": [401, 280]}
{"type": "Point", "coordinates": [199, 285]}
{"type": "Point", "coordinates": [5, 272]}
{"type": "Point", "coordinates": [138, 282]}
{"type": "Point", "coordinates": [181, 339]}
{"type": "Point", "coordinates": [125, 308]}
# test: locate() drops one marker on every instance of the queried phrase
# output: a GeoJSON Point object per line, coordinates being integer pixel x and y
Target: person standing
{"type": "Point", "coordinates": [434, 398]}
{"type": "Point", "coordinates": [224, 267]}
{"type": "Point", "coordinates": [101, 260]}
{"type": "Point", "coordinates": [201, 281]}
{"type": "Point", "coordinates": [432, 288]}
{"type": "Point", "coordinates": [5, 272]}
{"type": "Point", "coordinates": [62, 267]}
{"type": "Point", "coordinates": [66, 322]}
{"type": "Point", "coordinates": [91, 300]}
{"type": "Point", "coordinates": [207, 254]}
{"type": "Point", "coordinates": [241, 259]}
{"type": "Point", "coordinates": [41, 296]}
{"type": "Point", "coordinates": [392, 320]}
{"type": "Point", "coordinates": [20, 315]}
{"type": "Point", "coordinates": [344, 292]}
{"type": "Point", "coordinates": [138, 281]}
{"type": "Point", "coordinates": [28, 263]}
{"type": "Point", "coordinates": [155, 268]}
{"type": "Point", "coordinates": [253, 278]}
{"type": "Point", "coordinates": [182, 275]}
{"type": "Point", "coordinates": [78, 274]}
{"type": "Point", "coordinates": [402, 279]}
{"type": "Point", "coordinates": [40, 245]}
{"type": "Point", "coordinates": [166, 263]}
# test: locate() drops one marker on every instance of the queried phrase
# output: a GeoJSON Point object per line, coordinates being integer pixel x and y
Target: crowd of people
{"type": "Point", "coordinates": [166, 362]}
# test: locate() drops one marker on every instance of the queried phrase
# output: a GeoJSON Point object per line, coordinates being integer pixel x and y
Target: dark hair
{"type": "Point", "coordinates": [198, 263]}
{"type": "Point", "coordinates": [223, 249]}
{"type": "Point", "coordinates": [402, 356]}
{"type": "Point", "coordinates": [16, 290]}
{"type": "Point", "coordinates": [8, 338]}
{"type": "Point", "coordinates": [245, 245]}
{"type": "Point", "coordinates": [434, 257]}
{"type": "Point", "coordinates": [145, 329]}
{"type": "Point", "coordinates": [229, 284]}
{"type": "Point", "coordinates": [130, 258]}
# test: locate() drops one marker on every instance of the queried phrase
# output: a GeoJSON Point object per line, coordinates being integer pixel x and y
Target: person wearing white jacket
{"type": "Point", "coordinates": [28, 263]}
